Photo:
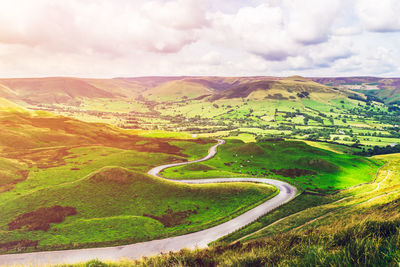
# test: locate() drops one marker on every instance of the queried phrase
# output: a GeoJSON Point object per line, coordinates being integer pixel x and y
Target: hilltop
{"type": "Point", "coordinates": [69, 90]}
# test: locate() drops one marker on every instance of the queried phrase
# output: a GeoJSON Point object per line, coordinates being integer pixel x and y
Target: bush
{"type": "Point", "coordinates": [95, 263]}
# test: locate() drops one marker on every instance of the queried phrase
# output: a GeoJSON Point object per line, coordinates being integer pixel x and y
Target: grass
{"type": "Point", "coordinates": [298, 204]}
{"type": "Point", "coordinates": [106, 185]}
{"type": "Point", "coordinates": [11, 172]}
{"type": "Point", "coordinates": [359, 226]}
{"type": "Point", "coordinates": [118, 205]}
{"type": "Point", "coordinates": [332, 170]}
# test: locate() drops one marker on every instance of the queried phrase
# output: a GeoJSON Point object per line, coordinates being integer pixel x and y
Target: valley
{"type": "Point", "coordinates": [199, 133]}
{"type": "Point", "coordinates": [266, 107]}
{"type": "Point", "coordinates": [76, 167]}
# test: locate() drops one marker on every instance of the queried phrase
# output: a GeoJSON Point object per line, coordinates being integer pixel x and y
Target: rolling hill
{"type": "Point", "coordinates": [55, 90]}
{"type": "Point", "coordinates": [115, 205]}
{"type": "Point", "coordinates": [277, 88]}
{"type": "Point", "coordinates": [177, 90]}
{"type": "Point", "coordinates": [93, 176]}
{"type": "Point", "coordinates": [70, 91]}
{"type": "Point", "coordinates": [386, 89]}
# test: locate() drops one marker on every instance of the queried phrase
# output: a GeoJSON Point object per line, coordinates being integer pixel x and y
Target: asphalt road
{"type": "Point", "coordinates": [193, 240]}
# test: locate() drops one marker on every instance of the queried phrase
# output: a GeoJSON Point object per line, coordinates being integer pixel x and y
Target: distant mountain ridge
{"type": "Point", "coordinates": [67, 90]}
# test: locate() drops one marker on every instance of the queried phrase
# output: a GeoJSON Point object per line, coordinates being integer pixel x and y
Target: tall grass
{"type": "Point", "coordinates": [370, 243]}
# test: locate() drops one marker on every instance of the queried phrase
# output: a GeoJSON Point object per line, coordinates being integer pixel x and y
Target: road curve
{"type": "Point", "coordinates": [193, 240]}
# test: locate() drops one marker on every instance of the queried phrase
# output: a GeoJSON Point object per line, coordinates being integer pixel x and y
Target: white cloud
{"type": "Point", "coordinates": [310, 21]}
{"type": "Point", "coordinates": [103, 26]}
{"type": "Point", "coordinates": [211, 58]}
{"type": "Point", "coordinates": [379, 15]}
{"type": "Point", "coordinates": [198, 37]}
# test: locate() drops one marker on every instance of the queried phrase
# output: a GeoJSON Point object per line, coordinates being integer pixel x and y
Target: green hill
{"type": "Point", "coordinates": [310, 168]}
{"type": "Point", "coordinates": [290, 88]}
{"type": "Point", "coordinates": [359, 226]}
{"type": "Point", "coordinates": [384, 89]}
{"type": "Point", "coordinates": [114, 205]}
{"type": "Point", "coordinates": [176, 91]}
{"type": "Point", "coordinates": [65, 183]}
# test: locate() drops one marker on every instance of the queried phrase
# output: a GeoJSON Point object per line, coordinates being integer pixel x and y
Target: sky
{"type": "Point", "coordinates": [128, 38]}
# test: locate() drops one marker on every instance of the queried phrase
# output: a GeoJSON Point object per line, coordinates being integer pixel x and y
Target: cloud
{"type": "Point", "coordinates": [310, 21]}
{"type": "Point", "coordinates": [180, 14]}
{"type": "Point", "coordinates": [102, 26]}
{"type": "Point", "coordinates": [198, 37]}
{"type": "Point", "coordinates": [277, 30]}
{"type": "Point", "coordinates": [379, 15]}
{"type": "Point", "coordinates": [211, 58]}
{"type": "Point", "coordinates": [256, 29]}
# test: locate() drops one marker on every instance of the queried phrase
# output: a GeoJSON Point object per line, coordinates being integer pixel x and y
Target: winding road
{"type": "Point", "coordinates": [198, 239]}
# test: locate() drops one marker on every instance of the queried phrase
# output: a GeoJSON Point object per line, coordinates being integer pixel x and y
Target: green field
{"type": "Point", "coordinates": [327, 170]}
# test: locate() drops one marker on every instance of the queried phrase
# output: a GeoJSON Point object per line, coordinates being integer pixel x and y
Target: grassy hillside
{"type": "Point", "coordinates": [114, 206]}
{"type": "Point", "coordinates": [117, 87]}
{"type": "Point", "coordinates": [386, 89]}
{"type": "Point", "coordinates": [6, 105]}
{"type": "Point", "coordinates": [53, 90]}
{"type": "Point", "coordinates": [11, 173]}
{"type": "Point", "coordinates": [65, 183]}
{"type": "Point", "coordinates": [359, 226]}
{"type": "Point", "coordinates": [295, 87]}
{"type": "Point", "coordinates": [176, 91]}
{"type": "Point", "coordinates": [311, 168]}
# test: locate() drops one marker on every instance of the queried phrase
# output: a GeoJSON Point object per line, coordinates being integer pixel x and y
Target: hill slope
{"type": "Point", "coordinates": [177, 90]}
{"type": "Point", "coordinates": [280, 89]}
{"type": "Point", "coordinates": [114, 205]}
{"type": "Point", "coordinates": [387, 89]}
{"type": "Point", "coordinates": [55, 90]}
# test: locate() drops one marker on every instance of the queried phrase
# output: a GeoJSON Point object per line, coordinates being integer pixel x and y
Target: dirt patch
{"type": "Point", "coordinates": [171, 218]}
{"type": "Point", "coordinates": [41, 218]}
{"type": "Point", "coordinates": [292, 173]}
